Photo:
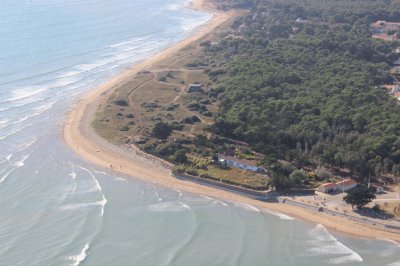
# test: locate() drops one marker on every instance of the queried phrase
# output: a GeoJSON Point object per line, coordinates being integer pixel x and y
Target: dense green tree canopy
{"type": "Point", "coordinates": [359, 197]}
{"type": "Point", "coordinates": [162, 130]}
{"type": "Point", "coordinates": [308, 90]}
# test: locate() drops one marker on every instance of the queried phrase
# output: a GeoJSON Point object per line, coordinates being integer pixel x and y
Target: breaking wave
{"type": "Point", "coordinates": [247, 207]}
{"type": "Point", "coordinates": [17, 164]}
{"type": "Point", "coordinates": [78, 259]}
{"type": "Point", "coordinates": [280, 215]}
{"type": "Point", "coordinates": [323, 243]}
{"type": "Point", "coordinates": [99, 189]}
{"type": "Point", "coordinates": [169, 206]}
{"type": "Point", "coordinates": [82, 206]}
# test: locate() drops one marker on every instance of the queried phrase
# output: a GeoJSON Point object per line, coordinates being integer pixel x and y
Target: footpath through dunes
{"type": "Point", "coordinates": [81, 137]}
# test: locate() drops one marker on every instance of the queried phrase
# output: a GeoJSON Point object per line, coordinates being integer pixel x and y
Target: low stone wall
{"type": "Point", "coordinates": [241, 190]}
{"type": "Point", "coordinates": [392, 227]}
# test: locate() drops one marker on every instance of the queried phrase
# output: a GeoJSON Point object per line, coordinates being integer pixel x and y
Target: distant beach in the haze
{"type": "Point", "coordinates": [63, 204]}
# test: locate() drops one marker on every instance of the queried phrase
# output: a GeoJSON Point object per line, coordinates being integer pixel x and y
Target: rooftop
{"type": "Point", "coordinates": [328, 185]}
{"type": "Point", "coordinates": [347, 182]}
{"type": "Point", "coordinates": [241, 161]}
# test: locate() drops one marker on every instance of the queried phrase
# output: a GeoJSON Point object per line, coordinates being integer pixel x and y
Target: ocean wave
{"type": "Point", "coordinates": [397, 263]}
{"type": "Point", "coordinates": [169, 206]}
{"type": "Point", "coordinates": [323, 243]}
{"type": "Point", "coordinates": [20, 148]}
{"type": "Point", "coordinates": [96, 182]}
{"type": "Point", "coordinates": [120, 179]}
{"type": "Point", "coordinates": [17, 164]}
{"type": "Point", "coordinates": [103, 206]}
{"type": "Point", "coordinates": [40, 110]}
{"type": "Point", "coordinates": [158, 196]}
{"type": "Point", "coordinates": [221, 203]}
{"type": "Point", "coordinates": [72, 174]}
{"type": "Point", "coordinates": [72, 78]}
{"type": "Point", "coordinates": [390, 250]}
{"type": "Point", "coordinates": [21, 162]}
{"type": "Point", "coordinates": [280, 215]}
{"type": "Point", "coordinates": [6, 175]}
{"type": "Point", "coordinates": [173, 7]}
{"type": "Point", "coordinates": [180, 194]}
{"type": "Point", "coordinates": [207, 197]}
{"type": "Point", "coordinates": [98, 187]}
{"type": "Point", "coordinates": [393, 242]}
{"type": "Point", "coordinates": [16, 131]}
{"type": "Point", "coordinates": [27, 145]}
{"type": "Point", "coordinates": [68, 70]}
{"type": "Point", "coordinates": [4, 121]}
{"type": "Point", "coordinates": [26, 103]}
{"type": "Point", "coordinates": [84, 206]}
{"type": "Point", "coordinates": [6, 158]}
{"type": "Point", "coordinates": [78, 259]}
{"type": "Point", "coordinates": [246, 206]}
{"type": "Point", "coordinates": [215, 201]}
{"type": "Point", "coordinates": [23, 93]}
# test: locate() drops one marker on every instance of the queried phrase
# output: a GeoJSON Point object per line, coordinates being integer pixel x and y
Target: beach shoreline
{"type": "Point", "coordinates": [81, 137]}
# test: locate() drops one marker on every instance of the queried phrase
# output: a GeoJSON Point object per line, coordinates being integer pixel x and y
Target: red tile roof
{"type": "Point", "coordinates": [328, 185]}
{"type": "Point", "coordinates": [347, 182]}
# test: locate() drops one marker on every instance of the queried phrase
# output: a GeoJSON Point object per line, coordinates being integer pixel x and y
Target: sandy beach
{"type": "Point", "coordinates": [80, 136]}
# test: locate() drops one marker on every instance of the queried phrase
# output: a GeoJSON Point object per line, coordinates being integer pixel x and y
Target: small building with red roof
{"type": "Point", "coordinates": [327, 188]}
{"type": "Point", "coordinates": [342, 186]}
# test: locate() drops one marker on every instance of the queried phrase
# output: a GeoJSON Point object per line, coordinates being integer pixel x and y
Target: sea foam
{"type": "Point", "coordinates": [169, 206]}
{"type": "Point", "coordinates": [246, 206]}
{"type": "Point", "coordinates": [325, 244]}
{"type": "Point", "coordinates": [99, 189]}
{"type": "Point", "coordinates": [78, 259]}
{"type": "Point", "coordinates": [280, 215]}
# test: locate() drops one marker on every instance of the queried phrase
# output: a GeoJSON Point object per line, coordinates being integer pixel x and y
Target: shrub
{"type": "Point", "coordinates": [121, 103]}
{"type": "Point", "coordinates": [162, 130]}
{"type": "Point", "coordinates": [192, 172]}
{"type": "Point", "coordinates": [123, 128]}
{"type": "Point", "coordinates": [180, 156]}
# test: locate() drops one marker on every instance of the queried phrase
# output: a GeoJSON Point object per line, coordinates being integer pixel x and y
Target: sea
{"type": "Point", "coordinates": [58, 209]}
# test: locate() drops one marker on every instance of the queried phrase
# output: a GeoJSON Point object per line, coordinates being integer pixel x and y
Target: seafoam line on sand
{"type": "Point", "coordinates": [278, 214]}
{"type": "Point", "coordinates": [246, 206]}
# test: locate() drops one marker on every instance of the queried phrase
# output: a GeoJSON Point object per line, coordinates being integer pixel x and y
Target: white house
{"type": "Point", "coordinates": [238, 163]}
{"type": "Point", "coordinates": [342, 186]}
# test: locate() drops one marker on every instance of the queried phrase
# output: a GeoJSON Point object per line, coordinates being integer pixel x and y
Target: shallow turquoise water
{"type": "Point", "coordinates": [57, 209]}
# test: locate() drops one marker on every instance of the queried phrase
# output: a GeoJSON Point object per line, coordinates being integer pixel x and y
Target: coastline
{"type": "Point", "coordinates": [80, 136]}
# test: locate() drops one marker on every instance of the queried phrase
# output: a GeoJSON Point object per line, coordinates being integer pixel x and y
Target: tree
{"type": "Point", "coordinates": [180, 156]}
{"type": "Point", "coordinates": [298, 177]}
{"type": "Point", "coordinates": [359, 197]}
{"type": "Point", "coordinates": [162, 130]}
